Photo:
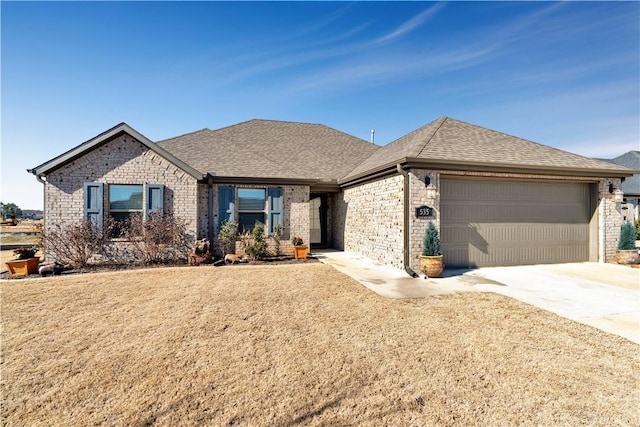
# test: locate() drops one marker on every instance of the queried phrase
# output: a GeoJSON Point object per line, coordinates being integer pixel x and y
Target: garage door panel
{"type": "Point", "coordinates": [504, 223]}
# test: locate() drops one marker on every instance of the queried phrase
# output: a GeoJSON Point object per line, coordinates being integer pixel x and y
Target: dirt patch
{"type": "Point", "coordinates": [297, 344]}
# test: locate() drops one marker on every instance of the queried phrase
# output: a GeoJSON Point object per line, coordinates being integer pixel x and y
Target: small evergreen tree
{"type": "Point", "coordinates": [257, 249]}
{"type": "Point", "coordinates": [227, 237]}
{"type": "Point", "coordinates": [431, 241]}
{"type": "Point", "coordinates": [627, 237]}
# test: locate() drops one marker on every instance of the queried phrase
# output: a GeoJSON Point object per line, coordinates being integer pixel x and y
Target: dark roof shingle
{"type": "Point", "coordinates": [454, 141]}
{"type": "Point", "coordinates": [271, 149]}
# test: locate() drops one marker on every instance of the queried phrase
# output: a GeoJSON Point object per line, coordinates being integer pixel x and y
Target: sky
{"type": "Point", "coordinates": [563, 74]}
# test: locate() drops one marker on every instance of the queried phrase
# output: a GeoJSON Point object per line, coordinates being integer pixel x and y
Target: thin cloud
{"type": "Point", "coordinates": [410, 25]}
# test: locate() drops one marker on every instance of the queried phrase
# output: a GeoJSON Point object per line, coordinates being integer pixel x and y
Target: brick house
{"type": "Point", "coordinates": [498, 199]}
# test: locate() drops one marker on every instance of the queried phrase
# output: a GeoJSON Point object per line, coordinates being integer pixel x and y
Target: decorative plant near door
{"type": "Point", "coordinates": [431, 259]}
{"type": "Point", "coordinates": [627, 253]}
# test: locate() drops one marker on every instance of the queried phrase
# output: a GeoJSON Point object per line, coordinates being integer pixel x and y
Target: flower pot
{"type": "Point", "coordinates": [23, 267]}
{"type": "Point", "coordinates": [431, 266]}
{"type": "Point", "coordinates": [197, 259]}
{"type": "Point", "coordinates": [628, 257]}
{"type": "Point", "coordinates": [300, 252]}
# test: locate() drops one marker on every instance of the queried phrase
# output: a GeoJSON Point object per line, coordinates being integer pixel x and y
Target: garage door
{"type": "Point", "coordinates": [513, 223]}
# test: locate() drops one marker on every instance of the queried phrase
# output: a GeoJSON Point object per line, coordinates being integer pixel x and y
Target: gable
{"type": "Point", "coordinates": [100, 140]}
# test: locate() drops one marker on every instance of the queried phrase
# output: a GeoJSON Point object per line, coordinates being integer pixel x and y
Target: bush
{"type": "Point", "coordinates": [627, 237]}
{"type": "Point", "coordinates": [75, 244]}
{"type": "Point", "coordinates": [431, 241]}
{"type": "Point", "coordinates": [227, 237]}
{"type": "Point", "coordinates": [278, 231]}
{"type": "Point", "coordinates": [160, 238]}
{"type": "Point", "coordinates": [257, 249]}
{"type": "Point", "coordinates": [637, 229]}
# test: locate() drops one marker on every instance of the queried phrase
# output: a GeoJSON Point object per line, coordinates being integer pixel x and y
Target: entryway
{"type": "Point", "coordinates": [318, 220]}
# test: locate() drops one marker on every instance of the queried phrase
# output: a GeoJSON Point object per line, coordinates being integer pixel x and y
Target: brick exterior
{"type": "Point", "coordinates": [120, 161]}
{"type": "Point", "coordinates": [295, 214]}
{"type": "Point", "coordinates": [368, 219]}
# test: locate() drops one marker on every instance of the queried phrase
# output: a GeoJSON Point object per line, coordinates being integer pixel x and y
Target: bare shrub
{"type": "Point", "coordinates": [160, 238]}
{"type": "Point", "coordinates": [75, 244]}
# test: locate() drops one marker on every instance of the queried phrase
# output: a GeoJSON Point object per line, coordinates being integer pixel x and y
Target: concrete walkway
{"type": "Point", "coordinates": [604, 296]}
{"type": "Point", "coordinates": [388, 282]}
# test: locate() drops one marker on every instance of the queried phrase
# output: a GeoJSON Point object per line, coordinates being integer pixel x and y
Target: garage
{"type": "Point", "coordinates": [496, 223]}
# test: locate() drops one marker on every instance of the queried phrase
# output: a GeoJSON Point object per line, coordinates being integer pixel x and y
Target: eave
{"type": "Point", "coordinates": [46, 168]}
{"type": "Point", "coordinates": [467, 166]}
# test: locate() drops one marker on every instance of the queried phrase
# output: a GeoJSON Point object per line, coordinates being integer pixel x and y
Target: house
{"type": "Point", "coordinates": [631, 186]}
{"type": "Point", "coordinates": [497, 199]}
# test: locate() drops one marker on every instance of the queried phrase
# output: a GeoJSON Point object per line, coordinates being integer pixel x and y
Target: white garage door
{"type": "Point", "coordinates": [513, 223]}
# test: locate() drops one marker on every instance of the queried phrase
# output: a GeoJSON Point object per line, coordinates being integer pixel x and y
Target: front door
{"type": "Point", "coordinates": [318, 220]}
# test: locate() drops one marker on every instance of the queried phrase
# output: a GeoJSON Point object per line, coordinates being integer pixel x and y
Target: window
{"type": "Point", "coordinates": [251, 207]}
{"type": "Point", "coordinates": [123, 201]}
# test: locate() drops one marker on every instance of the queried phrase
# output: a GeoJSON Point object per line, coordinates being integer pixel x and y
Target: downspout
{"type": "Point", "coordinates": [210, 222]}
{"type": "Point", "coordinates": [405, 228]}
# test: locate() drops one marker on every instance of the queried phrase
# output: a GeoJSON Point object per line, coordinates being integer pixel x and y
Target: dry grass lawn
{"type": "Point", "coordinates": [297, 345]}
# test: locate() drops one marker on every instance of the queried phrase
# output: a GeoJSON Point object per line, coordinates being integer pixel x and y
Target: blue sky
{"type": "Point", "coordinates": [561, 74]}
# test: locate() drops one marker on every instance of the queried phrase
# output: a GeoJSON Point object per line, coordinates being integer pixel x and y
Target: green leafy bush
{"type": "Point", "coordinates": [627, 237]}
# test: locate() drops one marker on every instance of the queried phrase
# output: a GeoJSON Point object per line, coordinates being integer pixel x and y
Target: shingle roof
{"type": "Point", "coordinates": [273, 149]}
{"type": "Point", "coordinates": [631, 160]}
{"type": "Point", "coordinates": [453, 141]}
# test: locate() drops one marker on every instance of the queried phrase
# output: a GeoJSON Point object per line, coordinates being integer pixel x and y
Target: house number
{"type": "Point", "coordinates": [424, 212]}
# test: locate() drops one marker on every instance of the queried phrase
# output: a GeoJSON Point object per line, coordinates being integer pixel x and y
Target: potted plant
{"type": "Point", "coordinates": [299, 248]}
{"type": "Point", "coordinates": [627, 253]}
{"type": "Point", "coordinates": [25, 262]}
{"type": "Point", "coordinates": [431, 259]}
{"type": "Point", "coordinates": [200, 252]}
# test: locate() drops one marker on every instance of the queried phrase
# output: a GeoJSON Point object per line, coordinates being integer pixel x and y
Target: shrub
{"type": "Point", "coordinates": [257, 249]}
{"type": "Point", "coordinates": [431, 241]}
{"type": "Point", "coordinates": [627, 237]}
{"type": "Point", "coordinates": [277, 237]}
{"type": "Point", "coordinates": [159, 238]}
{"type": "Point", "coordinates": [227, 237]}
{"type": "Point", "coordinates": [75, 244]}
{"type": "Point", "coordinates": [637, 229]}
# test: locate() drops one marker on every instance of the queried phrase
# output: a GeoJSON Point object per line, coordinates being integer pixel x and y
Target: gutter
{"type": "Point", "coordinates": [405, 228]}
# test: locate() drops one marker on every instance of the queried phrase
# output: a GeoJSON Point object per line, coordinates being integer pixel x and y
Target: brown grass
{"type": "Point", "coordinates": [297, 345]}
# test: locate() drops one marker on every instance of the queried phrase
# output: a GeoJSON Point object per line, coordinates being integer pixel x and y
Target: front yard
{"type": "Point", "coordinates": [297, 345]}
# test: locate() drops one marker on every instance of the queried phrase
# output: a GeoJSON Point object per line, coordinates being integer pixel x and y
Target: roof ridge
{"type": "Point", "coordinates": [183, 135]}
{"type": "Point", "coordinates": [433, 134]}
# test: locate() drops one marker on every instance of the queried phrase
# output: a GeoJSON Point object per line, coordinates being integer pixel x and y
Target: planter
{"type": "Point", "coordinates": [197, 259]}
{"type": "Point", "coordinates": [431, 266]}
{"type": "Point", "coordinates": [23, 267]}
{"type": "Point", "coordinates": [300, 252]}
{"type": "Point", "coordinates": [628, 257]}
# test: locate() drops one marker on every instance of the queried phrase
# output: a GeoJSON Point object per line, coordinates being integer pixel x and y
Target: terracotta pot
{"type": "Point", "coordinates": [431, 266]}
{"type": "Point", "coordinates": [628, 257]}
{"type": "Point", "coordinates": [197, 259]}
{"type": "Point", "coordinates": [300, 252]}
{"type": "Point", "coordinates": [23, 267]}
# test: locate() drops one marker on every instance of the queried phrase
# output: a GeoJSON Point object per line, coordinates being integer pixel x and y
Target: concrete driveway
{"type": "Point", "coordinates": [605, 296]}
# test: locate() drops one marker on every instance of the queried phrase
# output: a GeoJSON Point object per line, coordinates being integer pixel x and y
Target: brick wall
{"type": "Point", "coordinates": [295, 215]}
{"type": "Point", "coordinates": [120, 161]}
{"type": "Point", "coordinates": [610, 221]}
{"type": "Point", "coordinates": [368, 219]}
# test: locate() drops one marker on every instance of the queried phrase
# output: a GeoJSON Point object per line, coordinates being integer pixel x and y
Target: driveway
{"type": "Point", "coordinates": [605, 296]}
